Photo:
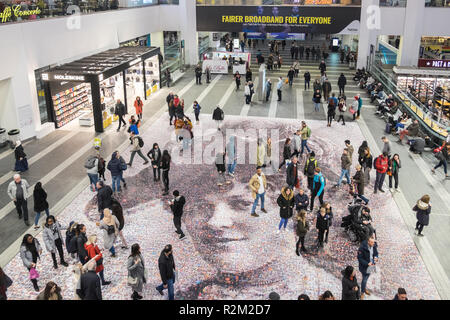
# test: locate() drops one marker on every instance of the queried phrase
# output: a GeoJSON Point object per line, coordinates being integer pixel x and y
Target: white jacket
{"type": "Point", "coordinates": [247, 90]}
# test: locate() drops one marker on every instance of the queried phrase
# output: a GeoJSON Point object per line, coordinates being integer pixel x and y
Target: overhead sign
{"type": "Point", "coordinates": [62, 77]}
{"type": "Point", "coordinates": [430, 63]}
{"type": "Point", "coordinates": [16, 10]}
{"type": "Point", "coordinates": [279, 19]}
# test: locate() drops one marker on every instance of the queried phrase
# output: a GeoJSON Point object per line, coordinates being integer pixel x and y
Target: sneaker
{"type": "Point", "coordinates": [129, 164]}
{"type": "Point", "coordinates": [420, 234]}
{"type": "Point", "coordinates": [374, 191]}
{"type": "Point", "coordinates": [182, 236]}
{"type": "Point", "coordinates": [145, 162]}
{"type": "Point", "coordinates": [219, 184]}
{"type": "Point", "coordinates": [36, 287]}
{"type": "Point", "coordinates": [304, 250]}
{"type": "Point", "coordinates": [231, 175]}
{"type": "Point", "coordinates": [65, 264]}
{"type": "Point", "coordinates": [255, 215]}
{"type": "Point", "coordinates": [263, 210]}
{"type": "Point", "coordinates": [297, 253]}
{"type": "Point", "coordinates": [36, 227]}
{"type": "Point", "coordinates": [113, 255]}
{"type": "Point", "coordinates": [160, 291]}
{"type": "Point", "coordinates": [124, 185]}
{"type": "Point", "coordinates": [381, 190]}
{"type": "Point", "coordinates": [397, 190]}
{"type": "Point", "coordinates": [55, 266]}
{"type": "Point", "coordinates": [27, 223]}
{"type": "Point", "coordinates": [391, 190]}
{"type": "Point", "coordinates": [124, 247]}
{"type": "Point", "coordinates": [106, 283]}
{"type": "Point", "coordinates": [278, 231]}
{"type": "Point", "coordinates": [368, 292]}
{"type": "Point", "coordinates": [362, 296]}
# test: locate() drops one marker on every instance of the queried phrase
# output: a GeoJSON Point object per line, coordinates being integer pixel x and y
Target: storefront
{"type": "Point", "coordinates": [88, 89]}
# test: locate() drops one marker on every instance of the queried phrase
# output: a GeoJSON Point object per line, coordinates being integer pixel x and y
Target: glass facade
{"type": "Point", "coordinates": [437, 3]}
{"type": "Point", "coordinates": [20, 10]}
{"type": "Point", "coordinates": [277, 2]}
{"type": "Point", "coordinates": [393, 3]}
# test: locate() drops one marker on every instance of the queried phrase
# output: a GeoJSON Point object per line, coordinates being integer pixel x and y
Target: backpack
{"type": "Point", "coordinates": [123, 165]}
{"type": "Point", "coordinates": [141, 142]}
{"type": "Point", "coordinates": [72, 248]}
{"type": "Point", "coordinates": [308, 132]}
{"type": "Point", "coordinates": [310, 167]}
{"type": "Point", "coordinates": [90, 162]}
{"type": "Point", "coordinates": [110, 230]}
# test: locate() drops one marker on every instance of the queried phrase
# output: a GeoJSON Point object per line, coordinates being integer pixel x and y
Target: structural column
{"type": "Point", "coordinates": [188, 26]}
{"type": "Point", "coordinates": [368, 30]}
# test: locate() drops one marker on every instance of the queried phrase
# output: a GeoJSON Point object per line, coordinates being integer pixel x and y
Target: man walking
{"type": "Point", "coordinates": [166, 265]}
{"type": "Point", "coordinates": [386, 146]}
{"type": "Point", "coordinates": [138, 143]}
{"type": "Point", "coordinates": [367, 258]}
{"type": "Point", "coordinates": [345, 167]}
{"type": "Point", "coordinates": [268, 89]}
{"type": "Point", "coordinates": [89, 284]}
{"type": "Point", "coordinates": [310, 169]}
{"type": "Point", "coordinates": [318, 188]}
{"type": "Point", "coordinates": [258, 185]}
{"type": "Point", "coordinates": [307, 77]}
{"type": "Point", "coordinates": [218, 116]}
{"type": "Point", "coordinates": [176, 205]}
{"type": "Point", "coordinates": [342, 81]}
{"type": "Point", "coordinates": [18, 192]}
{"type": "Point", "coordinates": [120, 112]}
{"type": "Point", "coordinates": [104, 197]}
{"type": "Point", "coordinates": [292, 179]}
{"type": "Point", "coordinates": [305, 135]}
{"type": "Point", "coordinates": [279, 88]}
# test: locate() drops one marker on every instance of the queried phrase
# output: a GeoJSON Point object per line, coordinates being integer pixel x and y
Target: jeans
{"type": "Point", "coordinates": [341, 90]}
{"type": "Point", "coordinates": [279, 95]}
{"type": "Point", "coordinates": [305, 145]}
{"type": "Point", "coordinates": [247, 99]}
{"type": "Point", "coordinates": [93, 178]}
{"type": "Point", "coordinates": [307, 83]}
{"type": "Point", "coordinates": [38, 216]}
{"type": "Point", "coordinates": [344, 172]}
{"type": "Point", "coordinates": [363, 198]}
{"type": "Point", "coordinates": [116, 183]}
{"type": "Point", "coordinates": [365, 277]}
{"type": "Point", "coordinates": [317, 106]}
{"type": "Point", "coordinates": [283, 222]}
{"type": "Point", "coordinates": [255, 203]}
{"type": "Point", "coordinates": [121, 177]}
{"type": "Point", "coordinates": [21, 207]}
{"type": "Point", "coordinates": [442, 163]}
{"type": "Point", "coordinates": [169, 287]}
{"type": "Point", "coordinates": [186, 142]}
{"type": "Point", "coordinates": [232, 166]}
{"type": "Point", "coordinates": [379, 180]}
{"type": "Point", "coordinates": [267, 96]}
{"type": "Point", "coordinates": [196, 116]}
{"type": "Point", "coordinates": [156, 173]}
{"type": "Point", "coordinates": [112, 250]}
{"type": "Point", "coordinates": [290, 81]}
{"type": "Point", "coordinates": [139, 152]}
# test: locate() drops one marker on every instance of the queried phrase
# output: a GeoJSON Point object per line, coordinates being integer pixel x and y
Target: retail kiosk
{"type": "Point", "coordinates": [88, 88]}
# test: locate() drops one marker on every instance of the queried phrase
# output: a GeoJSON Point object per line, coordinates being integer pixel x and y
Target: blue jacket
{"type": "Point", "coordinates": [114, 166]}
{"type": "Point", "coordinates": [318, 178]}
{"type": "Point", "coordinates": [134, 128]}
{"type": "Point", "coordinates": [364, 255]}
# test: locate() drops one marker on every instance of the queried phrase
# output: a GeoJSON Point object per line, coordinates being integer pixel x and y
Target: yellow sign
{"type": "Point", "coordinates": [7, 13]}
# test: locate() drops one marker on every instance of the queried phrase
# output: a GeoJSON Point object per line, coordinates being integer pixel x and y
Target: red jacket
{"type": "Point", "coordinates": [138, 105]}
{"type": "Point", "coordinates": [92, 251]}
{"type": "Point", "coordinates": [381, 164]}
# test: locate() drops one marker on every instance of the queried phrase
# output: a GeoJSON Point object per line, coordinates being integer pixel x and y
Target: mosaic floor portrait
{"type": "Point", "coordinates": [228, 254]}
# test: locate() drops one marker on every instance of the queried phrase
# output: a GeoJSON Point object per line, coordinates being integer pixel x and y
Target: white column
{"type": "Point", "coordinates": [368, 31]}
{"type": "Point", "coordinates": [188, 24]}
{"type": "Point", "coordinates": [412, 34]}
{"type": "Point", "coordinates": [157, 40]}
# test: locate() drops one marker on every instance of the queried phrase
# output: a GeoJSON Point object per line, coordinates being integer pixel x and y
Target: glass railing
{"type": "Point", "coordinates": [278, 2]}
{"type": "Point", "coordinates": [393, 3]}
{"type": "Point", "coordinates": [437, 3]}
{"type": "Point", "coordinates": [439, 127]}
{"type": "Point", "coordinates": [27, 10]}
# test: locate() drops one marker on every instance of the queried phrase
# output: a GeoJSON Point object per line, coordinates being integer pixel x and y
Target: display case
{"type": "Point", "coordinates": [152, 76]}
{"type": "Point", "coordinates": [67, 104]}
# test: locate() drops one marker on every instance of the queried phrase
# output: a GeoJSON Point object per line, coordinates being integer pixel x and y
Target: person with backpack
{"type": "Point", "coordinates": [40, 203]}
{"type": "Point", "coordinates": [91, 166]}
{"type": "Point", "coordinates": [305, 135]}
{"type": "Point", "coordinates": [110, 226]}
{"type": "Point", "coordinates": [342, 108]}
{"type": "Point", "coordinates": [286, 203]}
{"type": "Point", "coordinates": [30, 251]}
{"type": "Point", "coordinates": [81, 238]}
{"type": "Point", "coordinates": [441, 154]}
{"type": "Point", "coordinates": [318, 188]}
{"type": "Point", "coordinates": [310, 169]}
{"type": "Point", "coordinates": [165, 167]}
{"type": "Point", "coordinates": [138, 143]}
{"type": "Point", "coordinates": [307, 77]}
{"type": "Point", "coordinates": [381, 166]}
{"type": "Point", "coordinates": [218, 116]}
{"type": "Point", "coordinates": [53, 240]}
{"type": "Point", "coordinates": [119, 111]}
{"type": "Point", "coordinates": [196, 108]}
{"type": "Point", "coordinates": [94, 253]}
{"type": "Point", "coordinates": [115, 167]}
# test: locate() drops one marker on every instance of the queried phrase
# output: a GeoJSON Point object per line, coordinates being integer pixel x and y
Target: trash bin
{"type": "Point", "coordinates": [14, 136]}
{"type": "Point", "coordinates": [3, 138]}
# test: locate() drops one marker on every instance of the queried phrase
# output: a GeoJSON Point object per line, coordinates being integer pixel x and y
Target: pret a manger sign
{"type": "Point", "coordinates": [17, 11]}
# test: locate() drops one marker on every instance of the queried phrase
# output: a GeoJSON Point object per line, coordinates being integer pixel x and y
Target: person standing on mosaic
{"type": "Point", "coordinates": [292, 179]}
{"type": "Point", "coordinates": [286, 153]}
{"type": "Point", "coordinates": [366, 161]}
{"type": "Point", "coordinates": [81, 239]}
{"type": "Point", "coordinates": [165, 167]}
{"type": "Point", "coordinates": [53, 240]}
{"type": "Point", "coordinates": [136, 272]}
{"type": "Point", "coordinates": [90, 287]}
{"type": "Point", "coordinates": [104, 197]}
{"type": "Point", "coordinates": [220, 166]}
{"type": "Point", "coordinates": [301, 231]}
{"type": "Point", "coordinates": [110, 226]}
{"type": "Point", "coordinates": [381, 166]}
{"type": "Point", "coordinates": [423, 210]}
{"type": "Point", "coordinates": [30, 251]}
{"type": "Point", "coordinates": [258, 186]}
{"type": "Point", "coordinates": [18, 192]}
{"type": "Point", "coordinates": [350, 287]}
{"type": "Point", "coordinates": [260, 153]}
{"type": "Point", "coordinates": [367, 258]}
{"type": "Point", "coordinates": [5, 283]}
{"type": "Point", "coordinates": [318, 188]}
{"type": "Point", "coordinates": [231, 155]}
{"type": "Point", "coordinates": [155, 157]}
{"type": "Point", "coordinates": [94, 253]}
{"type": "Point", "coordinates": [177, 206]}
{"type": "Point", "coordinates": [394, 168]}
{"type": "Point", "coordinates": [166, 264]}
{"type": "Point", "coordinates": [286, 203]}
{"type": "Point", "coordinates": [322, 225]}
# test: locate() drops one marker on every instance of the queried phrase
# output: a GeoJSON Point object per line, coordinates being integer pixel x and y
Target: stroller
{"type": "Point", "coordinates": [356, 231]}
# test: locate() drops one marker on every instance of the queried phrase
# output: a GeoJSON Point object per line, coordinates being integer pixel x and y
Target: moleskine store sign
{"type": "Point", "coordinates": [278, 19]}
{"type": "Point", "coordinates": [17, 11]}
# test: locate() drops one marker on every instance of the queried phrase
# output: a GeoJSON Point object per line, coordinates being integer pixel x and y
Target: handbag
{"type": "Point", "coordinates": [99, 262]}
{"type": "Point", "coordinates": [34, 274]}
{"type": "Point", "coordinates": [371, 269]}
{"type": "Point", "coordinates": [132, 281]}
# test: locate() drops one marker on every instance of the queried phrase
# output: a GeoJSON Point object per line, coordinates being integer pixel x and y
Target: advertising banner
{"type": "Point", "coordinates": [216, 66]}
{"type": "Point", "coordinates": [279, 19]}
{"type": "Point", "coordinates": [433, 63]}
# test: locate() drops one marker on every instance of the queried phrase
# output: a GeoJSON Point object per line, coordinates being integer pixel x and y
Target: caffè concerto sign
{"type": "Point", "coordinates": [17, 11]}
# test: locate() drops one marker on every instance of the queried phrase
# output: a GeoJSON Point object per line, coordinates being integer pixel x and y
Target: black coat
{"type": "Point", "coordinates": [19, 153]}
{"type": "Point", "coordinates": [364, 255]}
{"type": "Point", "coordinates": [307, 76]}
{"type": "Point", "coordinates": [322, 67]}
{"type": "Point", "coordinates": [287, 151]}
{"type": "Point", "coordinates": [120, 109]}
{"type": "Point", "coordinates": [286, 206]}
{"type": "Point", "coordinates": [90, 287]}
{"type": "Point", "coordinates": [422, 214]}
{"type": "Point", "coordinates": [348, 293]}
{"type": "Point", "coordinates": [155, 156]}
{"type": "Point", "coordinates": [104, 197]}
{"type": "Point", "coordinates": [40, 200]}
{"type": "Point", "coordinates": [292, 174]}
{"type": "Point", "coordinates": [177, 206]}
{"type": "Point", "coordinates": [359, 179]}
{"type": "Point", "coordinates": [218, 114]}
{"type": "Point", "coordinates": [166, 267]}
{"type": "Point", "coordinates": [81, 240]}
{"type": "Point", "coordinates": [342, 81]}
{"type": "Point", "coordinates": [301, 201]}
{"type": "Point", "coordinates": [366, 162]}
{"type": "Point", "coordinates": [322, 223]}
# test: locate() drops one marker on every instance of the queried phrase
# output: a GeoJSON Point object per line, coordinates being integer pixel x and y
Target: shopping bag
{"type": "Point", "coordinates": [34, 274]}
{"type": "Point", "coordinates": [286, 81]}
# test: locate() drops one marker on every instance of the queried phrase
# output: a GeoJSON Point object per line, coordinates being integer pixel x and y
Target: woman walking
{"type": "Point", "coordinates": [94, 252]}
{"type": "Point", "coordinates": [117, 211]}
{"type": "Point", "coordinates": [136, 271]}
{"type": "Point", "coordinates": [342, 108]}
{"type": "Point", "coordinates": [138, 104]}
{"type": "Point", "coordinates": [237, 79]}
{"type": "Point", "coordinates": [165, 166]}
{"type": "Point", "coordinates": [53, 240]}
{"type": "Point", "coordinates": [393, 168]}
{"type": "Point", "coordinates": [30, 251]}
{"type": "Point", "coordinates": [423, 210]}
{"type": "Point", "coordinates": [21, 164]}
{"type": "Point", "coordinates": [350, 287]}
{"type": "Point", "coordinates": [40, 203]}
{"type": "Point", "coordinates": [331, 112]}
{"type": "Point", "coordinates": [51, 292]}
{"type": "Point", "coordinates": [301, 230]}
{"type": "Point", "coordinates": [286, 203]}
{"type": "Point", "coordinates": [110, 227]}
{"type": "Point", "coordinates": [366, 162]}
{"type": "Point", "coordinates": [329, 214]}
{"type": "Point", "coordinates": [286, 153]}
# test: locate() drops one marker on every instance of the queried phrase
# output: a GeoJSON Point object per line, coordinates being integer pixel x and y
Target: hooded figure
{"type": "Point", "coordinates": [21, 164]}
